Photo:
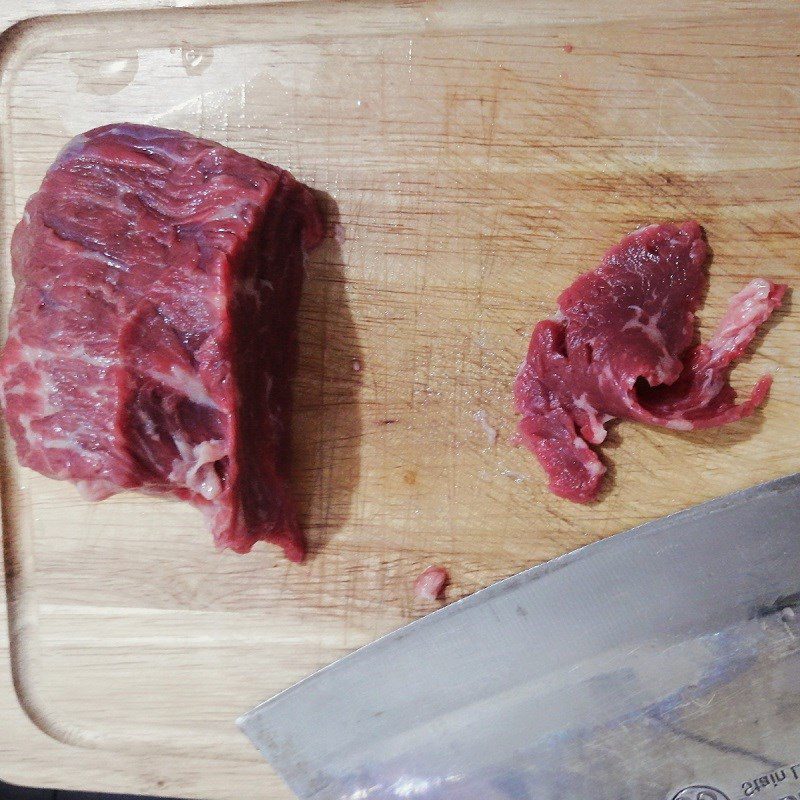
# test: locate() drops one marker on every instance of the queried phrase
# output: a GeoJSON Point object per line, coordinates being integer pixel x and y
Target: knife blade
{"type": "Point", "coordinates": [662, 663]}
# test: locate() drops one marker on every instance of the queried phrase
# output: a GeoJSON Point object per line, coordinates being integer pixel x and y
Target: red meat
{"type": "Point", "coordinates": [620, 346]}
{"type": "Point", "coordinates": [430, 583]}
{"type": "Point", "coordinates": [151, 335]}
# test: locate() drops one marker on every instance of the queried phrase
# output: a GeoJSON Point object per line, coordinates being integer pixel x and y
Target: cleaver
{"type": "Point", "coordinates": [662, 663]}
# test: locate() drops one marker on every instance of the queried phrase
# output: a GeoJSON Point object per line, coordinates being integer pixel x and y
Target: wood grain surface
{"type": "Point", "coordinates": [475, 157]}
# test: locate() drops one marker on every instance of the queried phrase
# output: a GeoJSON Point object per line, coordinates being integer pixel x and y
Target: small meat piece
{"type": "Point", "coordinates": [151, 336]}
{"type": "Point", "coordinates": [431, 582]}
{"type": "Point", "coordinates": [620, 346]}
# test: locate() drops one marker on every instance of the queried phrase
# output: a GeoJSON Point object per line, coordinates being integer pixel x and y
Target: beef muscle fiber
{"type": "Point", "coordinates": [152, 330]}
{"type": "Point", "coordinates": [621, 346]}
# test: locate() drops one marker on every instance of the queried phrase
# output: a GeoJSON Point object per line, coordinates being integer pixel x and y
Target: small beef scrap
{"type": "Point", "coordinates": [151, 336]}
{"type": "Point", "coordinates": [620, 346]}
{"type": "Point", "coordinates": [431, 582]}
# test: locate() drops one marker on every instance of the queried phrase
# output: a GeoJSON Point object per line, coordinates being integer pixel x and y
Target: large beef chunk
{"type": "Point", "coordinates": [621, 346]}
{"type": "Point", "coordinates": [152, 330]}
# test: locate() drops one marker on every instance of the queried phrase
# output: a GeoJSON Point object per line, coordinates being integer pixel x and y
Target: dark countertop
{"type": "Point", "coordinates": [8, 792]}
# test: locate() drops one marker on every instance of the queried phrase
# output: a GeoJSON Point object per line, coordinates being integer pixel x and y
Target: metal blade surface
{"type": "Point", "coordinates": [663, 662]}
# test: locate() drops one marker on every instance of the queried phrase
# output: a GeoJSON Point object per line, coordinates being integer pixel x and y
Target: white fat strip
{"type": "Point", "coordinates": [597, 433]}
{"type": "Point", "coordinates": [41, 407]}
{"type": "Point", "coordinates": [25, 421]}
{"type": "Point", "coordinates": [44, 445]}
{"type": "Point", "coordinates": [660, 374]}
{"type": "Point", "coordinates": [629, 398]}
{"type": "Point", "coordinates": [105, 258]}
{"type": "Point", "coordinates": [595, 423]}
{"type": "Point", "coordinates": [650, 329]}
{"type": "Point", "coordinates": [35, 356]}
{"type": "Point", "coordinates": [195, 468]}
{"type": "Point", "coordinates": [482, 418]}
{"type": "Point", "coordinates": [186, 383]}
{"type": "Point", "coordinates": [679, 425]}
{"type": "Point", "coordinates": [148, 424]}
{"type": "Point", "coordinates": [181, 380]}
{"type": "Point", "coordinates": [76, 351]}
{"type": "Point", "coordinates": [746, 311]}
{"type": "Point", "coordinates": [664, 368]}
{"type": "Point", "coordinates": [97, 489]}
{"type": "Point", "coordinates": [595, 468]}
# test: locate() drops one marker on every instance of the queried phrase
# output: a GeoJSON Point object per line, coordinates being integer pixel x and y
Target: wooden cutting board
{"type": "Point", "coordinates": [477, 156]}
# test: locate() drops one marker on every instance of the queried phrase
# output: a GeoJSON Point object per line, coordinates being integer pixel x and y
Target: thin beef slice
{"type": "Point", "coordinates": [151, 335]}
{"type": "Point", "coordinates": [620, 346]}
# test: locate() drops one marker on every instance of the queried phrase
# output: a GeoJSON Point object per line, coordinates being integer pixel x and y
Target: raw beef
{"type": "Point", "coordinates": [620, 345]}
{"type": "Point", "coordinates": [430, 583]}
{"type": "Point", "coordinates": [151, 336]}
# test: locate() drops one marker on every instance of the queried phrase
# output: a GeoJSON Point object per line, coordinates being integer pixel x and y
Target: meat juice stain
{"type": "Point", "coordinates": [568, 48]}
